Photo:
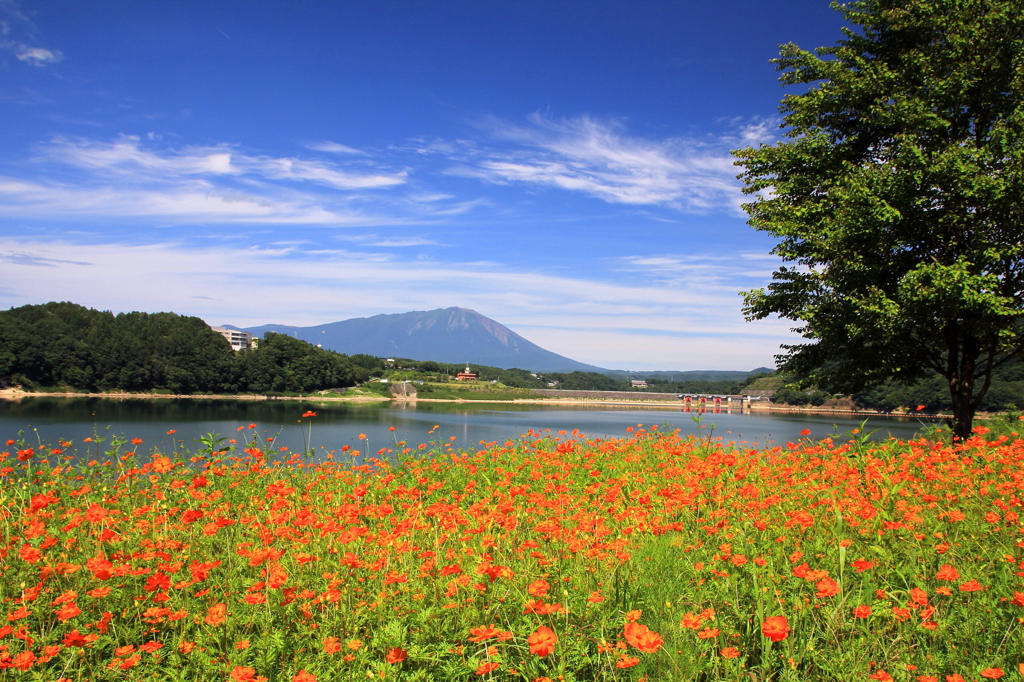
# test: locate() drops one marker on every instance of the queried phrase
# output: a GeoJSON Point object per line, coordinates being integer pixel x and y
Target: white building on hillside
{"type": "Point", "coordinates": [237, 339]}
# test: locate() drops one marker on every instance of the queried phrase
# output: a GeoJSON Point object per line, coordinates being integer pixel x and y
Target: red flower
{"type": "Point", "coordinates": [542, 641]}
{"type": "Point", "coordinates": [396, 655]}
{"type": "Point", "coordinates": [626, 662]}
{"type": "Point", "coordinates": [24, 660]}
{"type": "Point", "coordinates": [826, 588]}
{"type": "Point", "coordinates": [992, 673]}
{"type": "Point", "coordinates": [68, 611]}
{"type": "Point", "coordinates": [642, 638]}
{"type": "Point", "coordinates": [538, 588]}
{"type": "Point", "coordinates": [216, 615]}
{"type": "Point", "coordinates": [971, 586]}
{"type": "Point", "coordinates": [242, 674]}
{"type": "Point", "coordinates": [775, 628]}
{"type": "Point", "coordinates": [690, 621]}
{"type": "Point", "coordinates": [730, 652]}
{"type": "Point", "coordinates": [947, 572]}
{"type": "Point", "coordinates": [30, 554]}
{"type": "Point", "coordinates": [485, 668]}
{"type": "Point", "coordinates": [303, 676]}
{"type": "Point", "coordinates": [483, 632]}
{"type": "Point", "coordinates": [332, 645]}
{"type": "Point", "coordinates": [862, 611]}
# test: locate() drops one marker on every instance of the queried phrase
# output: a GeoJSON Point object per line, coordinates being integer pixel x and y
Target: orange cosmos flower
{"type": "Point", "coordinates": [826, 588]}
{"type": "Point", "coordinates": [729, 652]}
{"type": "Point", "coordinates": [627, 662]}
{"type": "Point", "coordinates": [485, 668]}
{"type": "Point", "coordinates": [947, 573]}
{"type": "Point", "coordinates": [332, 645]}
{"type": "Point", "coordinates": [242, 674]}
{"type": "Point", "coordinates": [775, 628]}
{"type": "Point", "coordinates": [538, 588]}
{"type": "Point", "coordinates": [862, 611]}
{"type": "Point", "coordinates": [634, 615]}
{"type": "Point", "coordinates": [396, 655]}
{"type": "Point", "coordinates": [216, 615]}
{"type": "Point", "coordinates": [992, 673]}
{"type": "Point", "coordinates": [595, 598]}
{"type": "Point", "coordinates": [542, 641]}
{"type": "Point", "coordinates": [642, 638]}
{"type": "Point", "coordinates": [691, 621]}
{"type": "Point", "coordinates": [483, 632]}
{"type": "Point", "coordinates": [30, 554]}
{"type": "Point", "coordinates": [708, 633]}
{"type": "Point", "coordinates": [303, 676]}
{"type": "Point", "coordinates": [971, 586]}
{"type": "Point", "coordinates": [68, 611]}
{"type": "Point", "coordinates": [23, 661]}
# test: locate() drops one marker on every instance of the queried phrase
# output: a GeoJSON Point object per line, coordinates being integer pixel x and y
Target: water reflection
{"type": "Point", "coordinates": [338, 424]}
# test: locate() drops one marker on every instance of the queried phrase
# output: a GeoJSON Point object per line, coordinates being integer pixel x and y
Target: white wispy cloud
{"type": "Point", "coordinates": [638, 324]}
{"type": "Point", "coordinates": [601, 159]}
{"type": "Point", "coordinates": [126, 155]}
{"type": "Point", "coordinates": [38, 56]}
{"type": "Point", "coordinates": [129, 177]}
{"type": "Point", "coordinates": [334, 148]}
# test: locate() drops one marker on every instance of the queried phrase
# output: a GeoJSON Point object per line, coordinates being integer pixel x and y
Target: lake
{"type": "Point", "coordinates": [337, 424]}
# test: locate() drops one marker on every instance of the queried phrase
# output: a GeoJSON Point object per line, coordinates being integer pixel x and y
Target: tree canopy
{"type": "Point", "coordinates": [63, 344]}
{"type": "Point", "coordinates": [896, 196]}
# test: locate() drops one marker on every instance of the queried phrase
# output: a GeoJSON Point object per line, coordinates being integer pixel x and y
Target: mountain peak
{"type": "Point", "coordinates": [452, 335]}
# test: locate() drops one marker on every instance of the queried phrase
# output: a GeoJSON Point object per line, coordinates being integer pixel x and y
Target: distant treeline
{"type": "Point", "coordinates": [575, 381]}
{"type": "Point", "coordinates": [63, 344]}
{"type": "Point", "coordinates": [1005, 393]}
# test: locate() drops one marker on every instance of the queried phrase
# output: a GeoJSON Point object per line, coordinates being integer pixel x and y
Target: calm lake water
{"type": "Point", "coordinates": [339, 424]}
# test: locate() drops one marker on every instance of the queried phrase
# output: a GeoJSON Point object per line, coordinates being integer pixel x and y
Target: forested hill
{"type": "Point", "coordinates": [63, 344]}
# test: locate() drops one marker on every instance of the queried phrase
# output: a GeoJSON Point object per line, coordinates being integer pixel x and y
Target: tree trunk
{"type": "Point", "coordinates": [963, 411]}
{"type": "Point", "coordinates": [961, 392]}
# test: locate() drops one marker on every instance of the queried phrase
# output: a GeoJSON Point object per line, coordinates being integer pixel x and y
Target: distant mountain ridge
{"type": "Point", "coordinates": [454, 335]}
{"type": "Point", "coordinates": [457, 335]}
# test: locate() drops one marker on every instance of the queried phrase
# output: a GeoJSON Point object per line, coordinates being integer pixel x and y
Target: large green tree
{"type": "Point", "coordinates": [897, 195]}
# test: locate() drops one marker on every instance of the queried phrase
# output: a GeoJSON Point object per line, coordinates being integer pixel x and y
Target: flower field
{"type": "Point", "coordinates": [551, 557]}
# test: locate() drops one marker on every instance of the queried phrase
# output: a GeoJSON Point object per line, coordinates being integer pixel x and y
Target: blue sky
{"type": "Point", "coordinates": [561, 167]}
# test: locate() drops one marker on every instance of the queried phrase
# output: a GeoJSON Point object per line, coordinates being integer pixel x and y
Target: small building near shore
{"type": "Point", "coordinates": [638, 383]}
{"type": "Point", "coordinates": [405, 390]}
{"type": "Point", "coordinates": [466, 376]}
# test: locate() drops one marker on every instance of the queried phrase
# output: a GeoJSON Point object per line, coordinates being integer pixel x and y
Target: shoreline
{"type": "Point", "coordinates": [13, 395]}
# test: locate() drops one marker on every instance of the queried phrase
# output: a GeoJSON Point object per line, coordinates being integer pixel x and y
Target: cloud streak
{"type": "Point", "coordinates": [600, 159]}
{"type": "Point", "coordinates": [123, 178]}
